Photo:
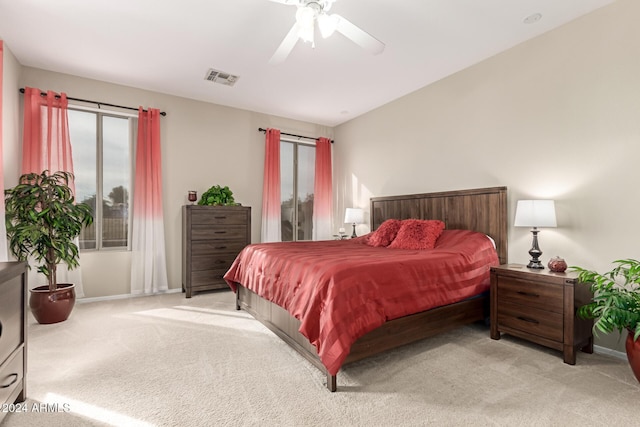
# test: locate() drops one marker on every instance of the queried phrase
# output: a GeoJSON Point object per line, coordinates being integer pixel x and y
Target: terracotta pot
{"type": "Point", "coordinates": [52, 307]}
{"type": "Point", "coordinates": [633, 354]}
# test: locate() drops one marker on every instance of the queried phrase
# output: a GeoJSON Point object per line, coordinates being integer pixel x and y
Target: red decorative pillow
{"type": "Point", "coordinates": [417, 234]}
{"type": "Point", "coordinates": [385, 234]}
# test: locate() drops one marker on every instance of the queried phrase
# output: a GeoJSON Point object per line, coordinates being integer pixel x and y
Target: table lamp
{"type": "Point", "coordinates": [535, 213]}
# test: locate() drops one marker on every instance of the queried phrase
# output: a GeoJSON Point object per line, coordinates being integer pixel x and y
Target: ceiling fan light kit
{"type": "Point", "coordinates": [311, 11]}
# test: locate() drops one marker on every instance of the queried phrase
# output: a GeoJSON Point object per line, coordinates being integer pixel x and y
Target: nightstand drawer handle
{"type": "Point", "coordinates": [221, 217]}
{"type": "Point", "coordinates": [15, 379]}
{"type": "Point", "coordinates": [528, 294]}
{"type": "Point", "coordinates": [220, 232]}
{"type": "Point", "coordinates": [528, 320]}
{"type": "Point", "coordinates": [220, 247]}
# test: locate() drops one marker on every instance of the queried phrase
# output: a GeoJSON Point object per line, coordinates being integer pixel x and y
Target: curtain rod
{"type": "Point", "coordinates": [297, 136]}
{"type": "Point", "coordinates": [162, 113]}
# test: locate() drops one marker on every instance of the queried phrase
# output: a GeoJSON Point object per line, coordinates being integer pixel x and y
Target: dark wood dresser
{"type": "Point", "coordinates": [13, 333]}
{"type": "Point", "coordinates": [540, 306]}
{"type": "Point", "coordinates": [212, 237]}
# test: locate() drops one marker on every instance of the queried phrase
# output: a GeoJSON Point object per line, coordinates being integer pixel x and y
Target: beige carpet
{"type": "Point", "coordinates": [171, 361]}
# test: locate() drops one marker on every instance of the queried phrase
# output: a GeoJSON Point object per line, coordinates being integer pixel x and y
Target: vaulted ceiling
{"type": "Point", "coordinates": [168, 46]}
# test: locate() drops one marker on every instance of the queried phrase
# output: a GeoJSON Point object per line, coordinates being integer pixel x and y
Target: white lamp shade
{"type": "Point", "coordinates": [354, 216]}
{"type": "Point", "coordinates": [535, 213]}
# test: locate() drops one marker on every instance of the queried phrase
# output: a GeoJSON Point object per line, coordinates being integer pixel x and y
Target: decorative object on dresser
{"type": "Point", "coordinates": [212, 236]}
{"type": "Point", "coordinates": [43, 220]}
{"type": "Point", "coordinates": [192, 196]}
{"type": "Point", "coordinates": [13, 334]}
{"type": "Point", "coordinates": [615, 305]}
{"type": "Point", "coordinates": [557, 264]}
{"type": "Point", "coordinates": [217, 196]}
{"type": "Point", "coordinates": [535, 213]}
{"type": "Point", "coordinates": [353, 216]}
{"type": "Point", "coordinates": [483, 210]}
{"type": "Point", "coordinates": [540, 306]}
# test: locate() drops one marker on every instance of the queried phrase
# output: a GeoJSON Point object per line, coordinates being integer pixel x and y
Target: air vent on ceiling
{"type": "Point", "coordinates": [221, 77]}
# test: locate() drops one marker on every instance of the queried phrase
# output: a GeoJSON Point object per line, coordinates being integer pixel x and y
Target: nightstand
{"type": "Point", "coordinates": [540, 306]}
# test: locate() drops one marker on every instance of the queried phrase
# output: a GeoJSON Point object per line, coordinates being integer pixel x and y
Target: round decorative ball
{"type": "Point", "coordinates": [557, 264]}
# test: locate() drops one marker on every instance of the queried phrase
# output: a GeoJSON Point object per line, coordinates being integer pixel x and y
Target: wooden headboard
{"type": "Point", "coordinates": [481, 209]}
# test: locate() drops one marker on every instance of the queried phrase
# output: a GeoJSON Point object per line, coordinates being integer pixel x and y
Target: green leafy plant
{"type": "Point", "coordinates": [217, 196]}
{"type": "Point", "coordinates": [616, 297]}
{"type": "Point", "coordinates": [43, 219]}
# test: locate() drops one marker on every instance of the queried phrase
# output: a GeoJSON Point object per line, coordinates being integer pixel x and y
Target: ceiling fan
{"type": "Point", "coordinates": [311, 11]}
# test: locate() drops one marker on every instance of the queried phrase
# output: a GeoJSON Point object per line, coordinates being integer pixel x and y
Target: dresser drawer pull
{"type": "Point", "coordinates": [528, 294]}
{"type": "Point", "coordinates": [220, 247]}
{"type": "Point", "coordinates": [15, 380]}
{"type": "Point", "coordinates": [528, 320]}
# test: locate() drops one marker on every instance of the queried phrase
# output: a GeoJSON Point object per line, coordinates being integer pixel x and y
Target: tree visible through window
{"type": "Point", "coordinates": [101, 146]}
{"type": "Point", "coordinates": [297, 172]}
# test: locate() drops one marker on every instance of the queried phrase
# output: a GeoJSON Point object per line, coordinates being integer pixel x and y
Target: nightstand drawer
{"type": "Point", "coordinates": [532, 294]}
{"type": "Point", "coordinates": [11, 374]}
{"type": "Point", "coordinates": [531, 320]}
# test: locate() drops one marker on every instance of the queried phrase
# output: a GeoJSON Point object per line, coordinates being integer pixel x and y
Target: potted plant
{"type": "Point", "coordinates": [217, 196]}
{"type": "Point", "coordinates": [42, 222]}
{"type": "Point", "coordinates": [616, 304]}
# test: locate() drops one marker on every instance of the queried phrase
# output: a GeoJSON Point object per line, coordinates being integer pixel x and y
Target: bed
{"type": "Point", "coordinates": [267, 280]}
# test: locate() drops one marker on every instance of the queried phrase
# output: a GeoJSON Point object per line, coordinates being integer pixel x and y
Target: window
{"type": "Point", "coordinates": [297, 172]}
{"type": "Point", "coordinates": [102, 160]}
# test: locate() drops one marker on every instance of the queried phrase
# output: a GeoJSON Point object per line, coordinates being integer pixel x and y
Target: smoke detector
{"type": "Point", "coordinates": [220, 77]}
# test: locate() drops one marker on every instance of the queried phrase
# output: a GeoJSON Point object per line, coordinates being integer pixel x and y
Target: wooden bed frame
{"type": "Point", "coordinates": [483, 210]}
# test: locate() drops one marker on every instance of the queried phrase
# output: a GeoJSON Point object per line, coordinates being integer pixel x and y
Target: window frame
{"type": "Point", "coordinates": [296, 143]}
{"type": "Point", "coordinates": [99, 147]}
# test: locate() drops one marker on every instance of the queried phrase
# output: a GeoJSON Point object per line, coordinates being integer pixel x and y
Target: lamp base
{"type": "Point", "coordinates": [535, 263]}
{"type": "Point", "coordinates": [353, 235]}
{"type": "Point", "coordinates": [535, 252]}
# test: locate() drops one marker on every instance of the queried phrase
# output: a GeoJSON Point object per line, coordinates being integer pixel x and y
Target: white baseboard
{"type": "Point", "coordinates": [124, 296]}
{"type": "Point", "coordinates": [609, 352]}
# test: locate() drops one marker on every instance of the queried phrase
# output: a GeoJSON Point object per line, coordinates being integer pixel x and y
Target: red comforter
{"type": "Point", "coordinates": [342, 289]}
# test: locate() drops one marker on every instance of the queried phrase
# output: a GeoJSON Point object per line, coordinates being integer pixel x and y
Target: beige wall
{"type": "Point", "coordinates": [202, 145]}
{"type": "Point", "coordinates": [556, 117]}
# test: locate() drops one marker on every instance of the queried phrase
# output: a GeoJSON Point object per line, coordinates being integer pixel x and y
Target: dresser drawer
{"type": "Point", "coordinates": [531, 294]}
{"type": "Point", "coordinates": [228, 217]}
{"type": "Point", "coordinates": [204, 247]}
{"type": "Point", "coordinates": [11, 375]}
{"type": "Point", "coordinates": [205, 277]}
{"type": "Point", "coordinates": [545, 324]}
{"type": "Point", "coordinates": [214, 233]}
{"type": "Point", "coordinates": [211, 261]}
{"type": "Point", "coordinates": [11, 302]}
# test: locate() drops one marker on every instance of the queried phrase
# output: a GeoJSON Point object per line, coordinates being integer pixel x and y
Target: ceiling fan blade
{"type": "Point", "coordinates": [359, 36]}
{"type": "Point", "coordinates": [286, 46]}
{"type": "Point", "coordinates": [286, 1]}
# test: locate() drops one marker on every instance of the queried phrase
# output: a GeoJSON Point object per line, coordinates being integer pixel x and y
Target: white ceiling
{"type": "Point", "coordinates": [167, 46]}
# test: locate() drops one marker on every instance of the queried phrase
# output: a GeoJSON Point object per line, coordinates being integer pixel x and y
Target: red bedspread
{"type": "Point", "coordinates": [342, 289]}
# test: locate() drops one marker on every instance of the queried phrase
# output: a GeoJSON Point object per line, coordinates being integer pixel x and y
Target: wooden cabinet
{"type": "Point", "coordinates": [13, 333]}
{"type": "Point", "coordinates": [540, 306]}
{"type": "Point", "coordinates": [212, 236]}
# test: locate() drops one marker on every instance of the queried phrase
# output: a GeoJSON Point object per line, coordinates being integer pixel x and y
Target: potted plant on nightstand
{"type": "Point", "coordinates": [616, 304]}
{"type": "Point", "coordinates": [42, 222]}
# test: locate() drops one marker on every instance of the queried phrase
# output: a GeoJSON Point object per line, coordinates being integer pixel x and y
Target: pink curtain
{"type": "Point", "coordinates": [323, 192]}
{"type": "Point", "coordinates": [149, 263]}
{"type": "Point", "coordinates": [46, 143]}
{"type": "Point", "coordinates": [3, 229]}
{"type": "Point", "coordinates": [46, 146]}
{"type": "Point", "coordinates": [271, 189]}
